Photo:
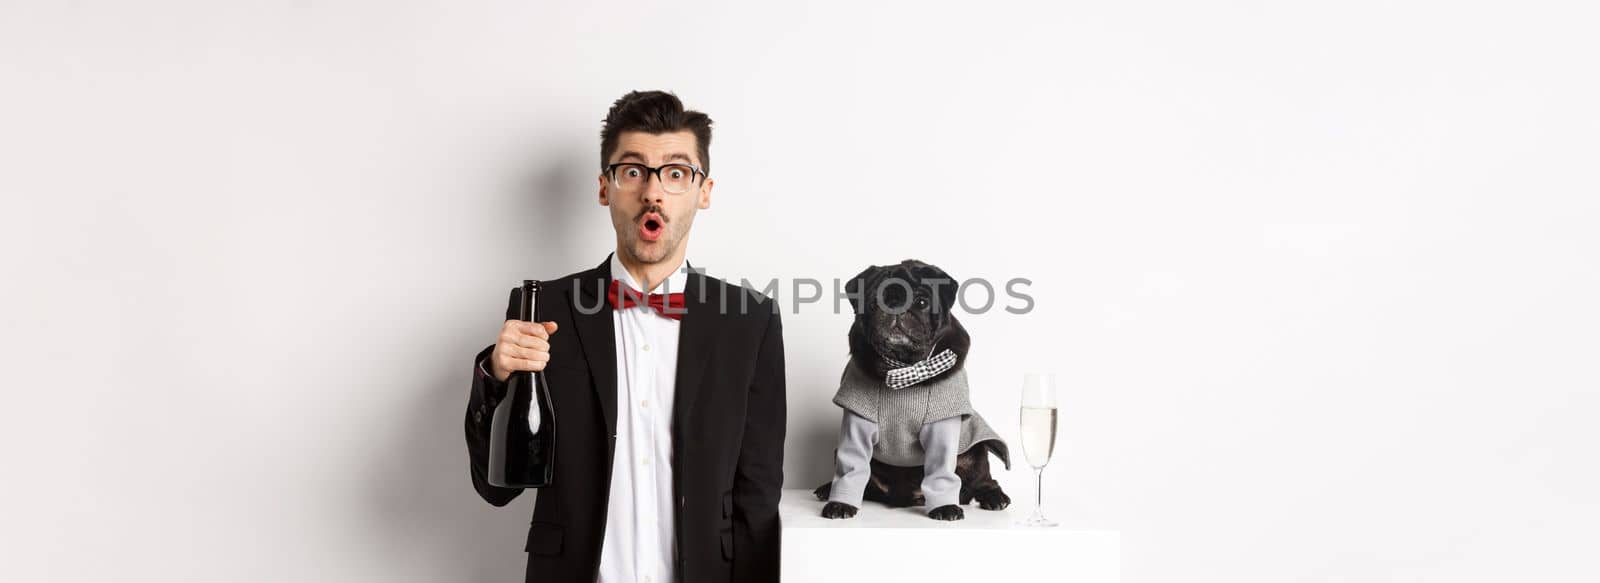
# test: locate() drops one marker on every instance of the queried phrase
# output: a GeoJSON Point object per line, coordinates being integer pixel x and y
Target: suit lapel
{"type": "Point", "coordinates": [597, 334]}
{"type": "Point", "coordinates": [696, 334]}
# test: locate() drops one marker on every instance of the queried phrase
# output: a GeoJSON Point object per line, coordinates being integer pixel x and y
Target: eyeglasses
{"type": "Point", "coordinates": [675, 178]}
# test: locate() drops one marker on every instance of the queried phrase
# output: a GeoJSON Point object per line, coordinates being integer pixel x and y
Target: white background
{"type": "Point", "coordinates": [1319, 277]}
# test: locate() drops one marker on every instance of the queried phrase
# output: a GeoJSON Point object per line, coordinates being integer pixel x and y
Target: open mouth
{"type": "Point", "coordinates": [650, 228]}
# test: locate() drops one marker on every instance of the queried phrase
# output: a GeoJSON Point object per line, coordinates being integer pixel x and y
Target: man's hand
{"type": "Point", "coordinates": [523, 346]}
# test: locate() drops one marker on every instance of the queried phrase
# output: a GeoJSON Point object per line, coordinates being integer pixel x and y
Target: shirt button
{"type": "Point", "coordinates": [647, 348]}
{"type": "Point", "coordinates": [646, 579]}
{"type": "Point", "coordinates": [644, 404]}
{"type": "Point", "coordinates": [646, 462]}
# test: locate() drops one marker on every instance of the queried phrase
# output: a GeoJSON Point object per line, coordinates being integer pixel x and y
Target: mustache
{"type": "Point", "coordinates": [652, 209]}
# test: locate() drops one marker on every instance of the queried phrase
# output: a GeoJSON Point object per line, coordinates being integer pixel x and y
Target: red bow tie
{"type": "Point", "coordinates": [669, 305]}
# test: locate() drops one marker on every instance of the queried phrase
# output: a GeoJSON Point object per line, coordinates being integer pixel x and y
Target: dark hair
{"type": "Point", "coordinates": [654, 112]}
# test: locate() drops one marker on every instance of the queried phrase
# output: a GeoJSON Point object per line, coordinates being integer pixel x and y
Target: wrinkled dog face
{"type": "Point", "coordinates": [904, 309]}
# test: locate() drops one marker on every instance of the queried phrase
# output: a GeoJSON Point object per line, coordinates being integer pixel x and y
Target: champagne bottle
{"type": "Point", "coordinates": [521, 455]}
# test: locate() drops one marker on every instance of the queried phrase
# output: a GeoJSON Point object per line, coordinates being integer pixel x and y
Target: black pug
{"type": "Point", "coordinates": [905, 402]}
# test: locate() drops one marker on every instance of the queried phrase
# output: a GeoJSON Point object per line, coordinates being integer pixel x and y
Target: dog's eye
{"type": "Point", "coordinates": [922, 303]}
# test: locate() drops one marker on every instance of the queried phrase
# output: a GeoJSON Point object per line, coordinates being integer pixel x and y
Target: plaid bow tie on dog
{"type": "Point", "coordinates": [905, 375]}
{"type": "Point", "coordinates": [669, 305]}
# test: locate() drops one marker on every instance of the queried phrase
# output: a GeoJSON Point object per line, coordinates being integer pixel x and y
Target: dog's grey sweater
{"type": "Point", "coordinates": [900, 414]}
{"type": "Point", "coordinates": [941, 484]}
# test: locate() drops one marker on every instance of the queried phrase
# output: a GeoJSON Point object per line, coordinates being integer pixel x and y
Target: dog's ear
{"type": "Point", "coordinates": [937, 281]}
{"type": "Point", "coordinates": [855, 288]}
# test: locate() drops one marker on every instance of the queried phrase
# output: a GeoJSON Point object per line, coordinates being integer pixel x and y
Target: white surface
{"type": "Point", "coordinates": [1319, 278]}
{"type": "Point", "coordinates": [903, 544]}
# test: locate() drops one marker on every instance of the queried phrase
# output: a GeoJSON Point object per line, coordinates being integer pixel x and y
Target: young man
{"type": "Point", "coordinates": [669, 409]}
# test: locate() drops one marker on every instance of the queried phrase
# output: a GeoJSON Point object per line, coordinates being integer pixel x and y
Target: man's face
{"type": "Point", "coordinates": [651, 223]}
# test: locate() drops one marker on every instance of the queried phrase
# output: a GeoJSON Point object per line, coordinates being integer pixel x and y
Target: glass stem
{"type": "Point", "coordinates": [1038, 491]}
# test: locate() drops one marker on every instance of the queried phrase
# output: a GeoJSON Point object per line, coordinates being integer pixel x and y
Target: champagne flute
{"type": "Point", "coordinates": [1038, 435]}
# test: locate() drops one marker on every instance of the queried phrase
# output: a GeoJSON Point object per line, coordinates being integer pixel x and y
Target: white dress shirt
{"type": "Point", "coordinates": [639, 545]}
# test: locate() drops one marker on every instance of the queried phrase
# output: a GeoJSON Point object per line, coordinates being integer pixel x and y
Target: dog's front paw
{"type": "Point", "coordinates": [838, 510]}
{"type": "Point", "coordinates": [992, 499]}
{"type": "Point", "coordinates": [947, 512]}
{"type": "Point", "coordinates": [822, 491]}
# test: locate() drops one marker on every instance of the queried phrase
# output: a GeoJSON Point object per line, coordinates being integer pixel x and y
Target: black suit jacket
{"type": "Point", "coordinates": [728, 423]}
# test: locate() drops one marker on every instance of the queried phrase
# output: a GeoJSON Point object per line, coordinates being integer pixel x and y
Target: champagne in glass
{"type": "Point", "coordinates": [1038, 435]}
